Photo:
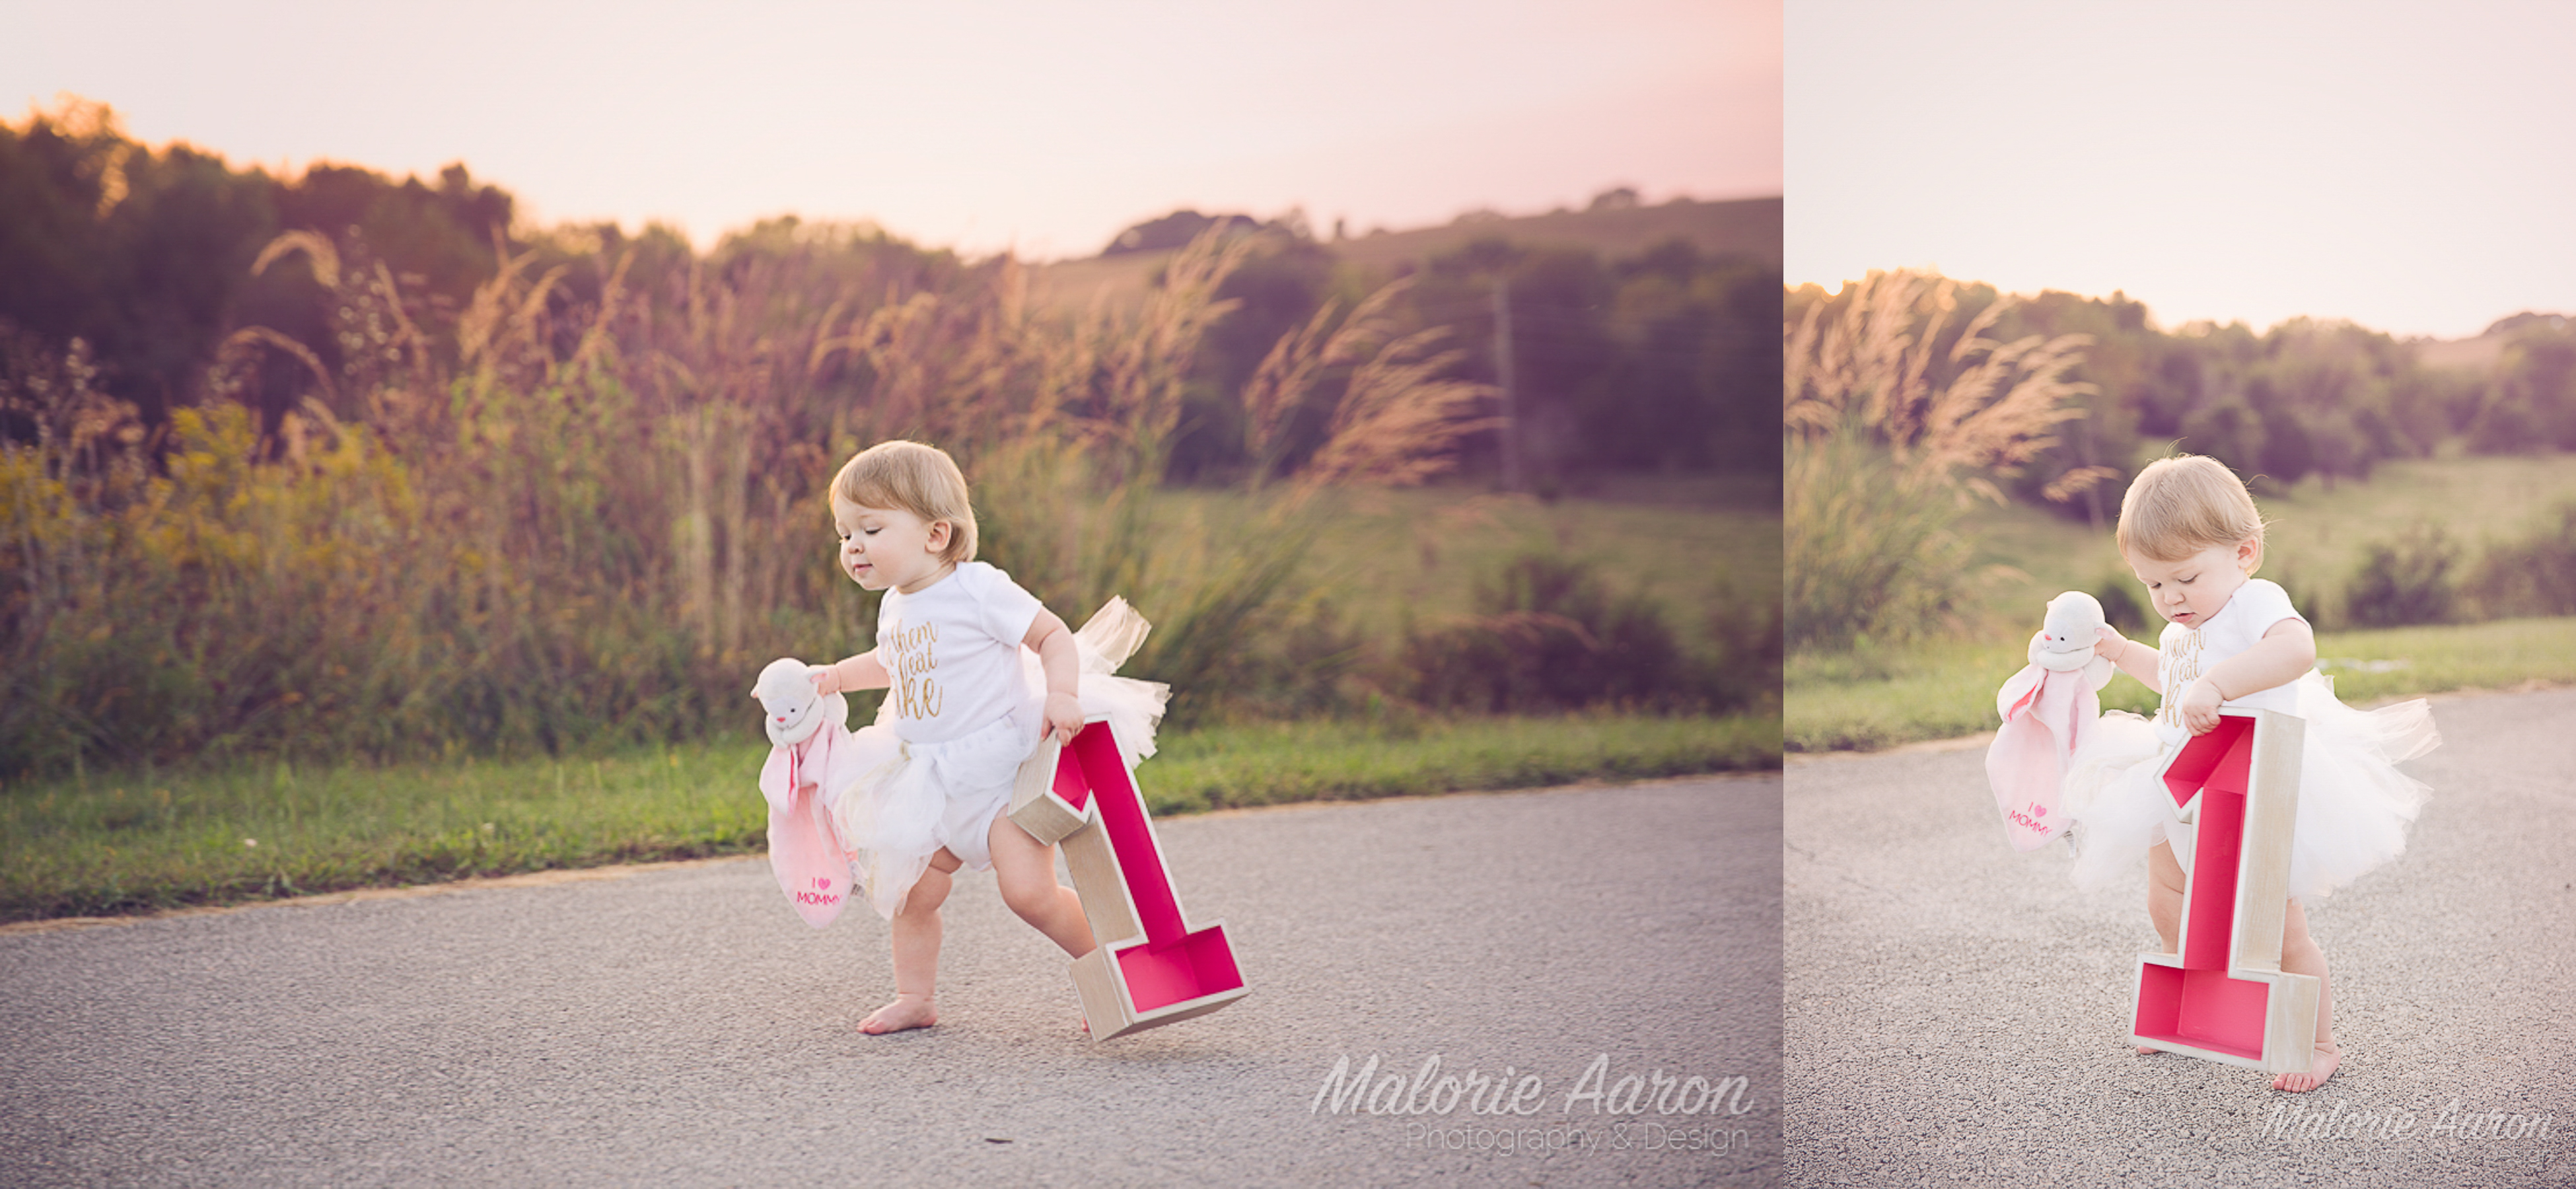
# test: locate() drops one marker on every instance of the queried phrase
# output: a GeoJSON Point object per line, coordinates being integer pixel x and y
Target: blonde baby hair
{"type": "Point", "coordinates": [2181, 505]}
{"type": "Point", "coordinates": [915, 478]}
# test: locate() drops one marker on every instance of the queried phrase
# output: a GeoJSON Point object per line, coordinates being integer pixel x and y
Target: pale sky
{"type": "Point", "coordinates": [1042, 126]}
{"type": "Point", "coordinates": [2408, 166]}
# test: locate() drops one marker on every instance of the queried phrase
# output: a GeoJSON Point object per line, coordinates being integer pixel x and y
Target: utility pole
{"type": "Point", "coordinates": [1503, 380]}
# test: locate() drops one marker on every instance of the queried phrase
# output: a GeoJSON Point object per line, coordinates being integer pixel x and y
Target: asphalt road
{"type": "Point", "coordinates": [1955, 1009]}
{"type": "Point", "coordinates": [681, 1026]}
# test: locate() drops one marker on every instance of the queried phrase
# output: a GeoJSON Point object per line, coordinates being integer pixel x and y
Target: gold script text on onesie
{"type": "Point", "coordinates": [2182, 668]}
{"type": "Point", "coordinates": [916, 694]}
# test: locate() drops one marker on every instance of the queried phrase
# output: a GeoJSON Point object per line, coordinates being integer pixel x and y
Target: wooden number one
{"type": "Point", "coordinates": [1150, 966]}
{"type": "Point", "coordinates": [2225, 997]}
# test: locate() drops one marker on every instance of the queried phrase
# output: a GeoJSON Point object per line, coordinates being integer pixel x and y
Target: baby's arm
{"type": "Point", "coordinates": [859, 672]}
{"type": "Point", "coordinates": [1053, 642]}
{"type": "Point", "coordinates": [2286, 652]}
{"type": "Point", "coordinates": [2135, 659]}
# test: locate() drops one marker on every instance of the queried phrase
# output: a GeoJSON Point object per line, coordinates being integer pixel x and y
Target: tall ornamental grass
{"type": "Point", "coordinates": [1895, 425]}
{"type": "Point", "coordinates": [586, 513]}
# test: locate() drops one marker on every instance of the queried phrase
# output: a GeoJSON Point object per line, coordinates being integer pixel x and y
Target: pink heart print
{"type": "Point", "coordinates": [824, 884]}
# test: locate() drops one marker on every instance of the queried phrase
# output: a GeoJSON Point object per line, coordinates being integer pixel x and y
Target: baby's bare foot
{"type": "Point", "coordinates": [2320, 1067]}
{"type": "Point", "coordinates": [2145, 1051]}
{"type": "Point", "coordinates": [907, 1011]}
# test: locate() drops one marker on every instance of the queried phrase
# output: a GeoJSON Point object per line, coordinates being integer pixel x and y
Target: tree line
{"type": "Point", "coordinates": [152, 260]}
{"type": "Point", "coordinates": [2306, 398]}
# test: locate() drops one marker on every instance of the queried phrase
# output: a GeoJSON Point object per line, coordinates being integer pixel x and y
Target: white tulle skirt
{"type": "Point", "coordinates": [907, 801]}
{"type": "Point", "coordinates": [2354, 804]}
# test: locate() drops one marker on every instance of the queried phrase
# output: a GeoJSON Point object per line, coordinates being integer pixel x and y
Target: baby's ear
{"type": "Point", "coordinates": [939, 533]}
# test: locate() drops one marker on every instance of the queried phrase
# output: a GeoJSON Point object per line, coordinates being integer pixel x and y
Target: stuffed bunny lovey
{"type": "Point", "coordinates": [794, 710]}
{"type": "Point", "coordinates": [808, 732]}
{"type": "Point", "coordinates": [2046, 709]}
{"type": "Point", "coordinates": [2067, 636]}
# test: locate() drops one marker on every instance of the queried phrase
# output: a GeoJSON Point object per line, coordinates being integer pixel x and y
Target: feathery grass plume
{"type": "Point", "coordinates": [1281, 384]}
{"type": "Point", "coordinates": [1889, 436]}
{"type": "Point", "coordinates": [318, 253]}
{"type": "Point", "coordinates": [1146, 356]}
{"type": "Point", "coordinates": [1400, 419]}
{"type": "Point", "coordinates": [1987, 408]}
{"type": "Point", "coordinates": [238, 344]}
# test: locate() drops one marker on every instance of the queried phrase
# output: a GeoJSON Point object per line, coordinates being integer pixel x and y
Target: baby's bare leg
{"type": "Point", "coordinates": [2164, 895]}
{"type": "Point", "coordinates": [916, 932]}
{"type": "Point", "coordinates": [2300, 954]}
{"type": "Point", "coordinates": [1025, 868]}
{"type": "Point", "coordinates": [2164, 900]}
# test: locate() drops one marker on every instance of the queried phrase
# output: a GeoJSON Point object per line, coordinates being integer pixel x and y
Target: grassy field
{"type": "Point", "coordinates": [1419, 552]}
{"type": "Point", "coordinates": [139, 840]}
{"type": "Point", "coordinates": [2313, 545]}
{"type": "Point", "coordinates": [1944, 688]}
{"type": "Point", "coordinates": [143, 841]}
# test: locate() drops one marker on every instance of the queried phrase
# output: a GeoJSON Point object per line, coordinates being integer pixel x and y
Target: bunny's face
{"type": "Point", "coordinates": [789, 706]}
{"type": "Point", "coordinates": [2072, 623]}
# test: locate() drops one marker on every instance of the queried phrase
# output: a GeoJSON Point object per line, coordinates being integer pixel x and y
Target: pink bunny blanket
{"type": "Point", "coordinates": [805, 850]}
{"type": "Point", "coordinates": [811, 750]}
{"type": "Point", "coordinates": [2047, 709]}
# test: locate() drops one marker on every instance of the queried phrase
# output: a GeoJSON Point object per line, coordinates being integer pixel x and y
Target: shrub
{"type": "Point", "coordinates": [1868, 548]}
{"type": "Point", "coordinates": [2404, 581]}
{"type": "Point", "coordinates": [2120, 607]}
{"type": "Point", "coordinates": [2532, 576]}
{"type": "Point", "coordinates": [1548, 636]}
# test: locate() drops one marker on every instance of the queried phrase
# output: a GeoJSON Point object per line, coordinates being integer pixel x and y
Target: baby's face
{"type": "Point", "coordinates": [889, 547]}
{"type": "Point", "coordinates": [2190, 590]}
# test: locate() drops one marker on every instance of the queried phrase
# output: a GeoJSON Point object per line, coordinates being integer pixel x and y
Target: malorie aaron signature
{"type": "Point", "coordinates": [2449, 1123]}
{"type": "Point", "coordinates": [1430, 1092]}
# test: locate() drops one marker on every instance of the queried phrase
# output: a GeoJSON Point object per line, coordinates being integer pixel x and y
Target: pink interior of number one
{"type": "Point", "coordinates": [2219, 760]}
{"type": "Point", "coordinates": [1069, 782]}
{"type": "Point", "coordinates": [1172, 965]}
{"type": "Point", "coordinates": [2199, 1005]}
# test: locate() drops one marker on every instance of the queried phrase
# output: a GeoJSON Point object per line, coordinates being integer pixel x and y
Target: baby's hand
{"type": "Point", "coordinates": [2200, 707]}
{"type": "Point", "coordinates": [2108, 642]}
{"type": "Point", "coordinates": [827, 680]}
{"type": "Point", "coordinates": [1063, 715]}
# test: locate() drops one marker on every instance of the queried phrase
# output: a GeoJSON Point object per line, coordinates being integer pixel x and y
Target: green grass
{"type": "Point", "coordinates": [1944, 687]}
{"type": "Point", "coordinates": [1419, 552]}
{"type": "Point", "coordinates": [1947, 689]}
{"type": "Point", "coordinates": [138, 842]}
{"type": "Point", "coordinates": [1268, 764]}
{"type": "Point", "coordinates": [2314, 544]}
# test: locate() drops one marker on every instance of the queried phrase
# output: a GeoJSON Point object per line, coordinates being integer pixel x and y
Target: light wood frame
{"type": "Point", "coordinates": [2224, 997]}
{"type": "Point", "coordinates": [1150, 966]}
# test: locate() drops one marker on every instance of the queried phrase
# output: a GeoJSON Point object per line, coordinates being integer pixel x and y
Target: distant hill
{"type": "Point", "coordinates": [1748, 226]}
{"type": "Point", "coordinates": [2477, 354]}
